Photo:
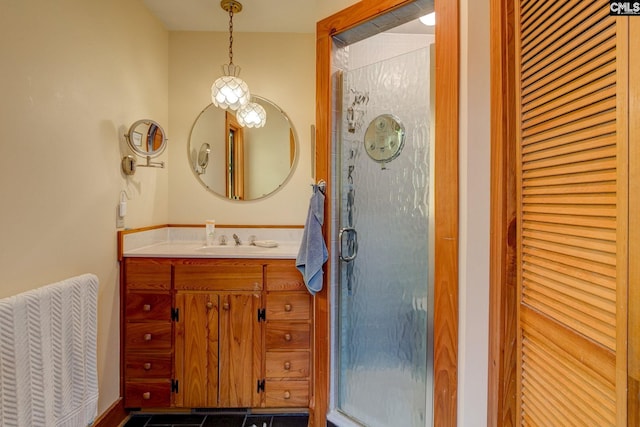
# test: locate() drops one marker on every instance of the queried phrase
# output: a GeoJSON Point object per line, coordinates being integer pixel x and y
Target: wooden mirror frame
{"type": "Point", "coordinates": [446, 201]}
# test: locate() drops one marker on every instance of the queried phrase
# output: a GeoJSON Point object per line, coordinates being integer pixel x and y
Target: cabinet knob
{"type": "Point", "coordinates": [147, 366]}
{"type": "Point", "coordinates": [287, 307]}
{"type": "Point", "coordinates": [287, 366]}
{"type": "Point", "coordinates": [287, 395]}
{"type": "Point", "coordinates": [209, 305]}
{"type": "Point", "coordinates": [147, 337]}
{"type": "Point", "coordinates": [146, 395]}
{"type": "Point", "coordinates": [146, 307]}
{"type": "Point", "coordinates": [287, 337]}
{"type": "Point", "coordinates": [225, 306]}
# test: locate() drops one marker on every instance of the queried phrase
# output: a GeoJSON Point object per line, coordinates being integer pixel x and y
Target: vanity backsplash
{"type": "Point", "coordinates": [190, 241]}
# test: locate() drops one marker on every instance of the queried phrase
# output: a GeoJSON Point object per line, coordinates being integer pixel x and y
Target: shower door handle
{"type": "Point", "coordinates": [352, 237]}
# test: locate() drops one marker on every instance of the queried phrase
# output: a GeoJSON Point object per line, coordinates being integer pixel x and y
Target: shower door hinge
{"type": "Point", "coordinates": [260, 386]}
{"type": "Point", "coordinates": [262, 315]}
{"type": "Point", "coordinates": [174, 386]}
{"type": "Point", "coordinates": [175, 314]}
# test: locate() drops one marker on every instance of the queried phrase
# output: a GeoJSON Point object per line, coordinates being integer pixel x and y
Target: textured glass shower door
{"type": "Point", "coordinates": [384, 316]}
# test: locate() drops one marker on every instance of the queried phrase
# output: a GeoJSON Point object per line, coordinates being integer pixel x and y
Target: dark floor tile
{"type": "Point", "coordinates": [224, 420]}
{"type": "Point", "coordinates": [290, 421]}
{"type": "Point", "coordinates": [175, 419]}
{"type": "Point", "coordinates": [330, 424]}
{"type": "Point", "coordinates": [258, 421]}
{"type": "Point", "coordinates": [138, 421]}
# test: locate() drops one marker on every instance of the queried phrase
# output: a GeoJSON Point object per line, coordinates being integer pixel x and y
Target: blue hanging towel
{"type": "Point", "coordinates": [313, 251]}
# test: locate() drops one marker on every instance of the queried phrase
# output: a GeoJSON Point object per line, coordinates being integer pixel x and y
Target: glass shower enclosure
{"type": "Point", "coordinates": [382, 318]}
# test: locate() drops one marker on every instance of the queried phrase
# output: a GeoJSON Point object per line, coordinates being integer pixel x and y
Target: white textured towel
{"type": "Point", "coordinates": [48, 368]}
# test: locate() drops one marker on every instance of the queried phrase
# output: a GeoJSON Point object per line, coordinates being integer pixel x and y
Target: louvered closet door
{"type": "Point", "coordinates": [571, 262]}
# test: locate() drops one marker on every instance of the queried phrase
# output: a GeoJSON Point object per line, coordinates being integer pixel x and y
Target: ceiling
{"type": "Point", "coordinates": [260, 16]}
{"type": "Point", "coordinates": [283, 16]}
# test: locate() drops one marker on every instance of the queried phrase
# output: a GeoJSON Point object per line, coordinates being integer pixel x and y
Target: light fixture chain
{"type": "Point", "coordinates": [230, 35]}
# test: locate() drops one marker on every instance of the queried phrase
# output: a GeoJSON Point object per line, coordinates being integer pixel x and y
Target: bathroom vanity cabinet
{"type": "Point", "coordinates": [215, 333]}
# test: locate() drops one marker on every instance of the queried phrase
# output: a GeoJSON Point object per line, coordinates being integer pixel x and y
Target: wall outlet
{"type": "Point", "coordinates": [119, 219]}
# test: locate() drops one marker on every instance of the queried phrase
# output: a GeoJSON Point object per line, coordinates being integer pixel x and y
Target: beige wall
{"type": "Point", "coordinates": [276, 66]}
{"type": "Point", "coordinates": [74, 75]}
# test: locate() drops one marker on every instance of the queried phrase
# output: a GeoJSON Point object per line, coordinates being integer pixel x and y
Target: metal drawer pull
{"type": "Point", "coordinates": [287, 366]}
{"type": "Point", "coordinates": [209, 305]}
{"type": "Point", "coordinates": [287, 337]}
{"type": "Point", "coordinates": [146, 395]}
{"type": "Point", "coordinates": [287, 395]}
{"type": "Point", "coordinates": [147, 366]}
{"type": "Point", "coordinates": [287, 307]}
{"type": "Point", "coordinates": [147, 337]}
{"type": "Point", "coordinates": [146, 307]}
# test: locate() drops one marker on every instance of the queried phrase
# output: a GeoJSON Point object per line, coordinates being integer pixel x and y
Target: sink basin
{"type": "Point", "coordinates": [231, 249]}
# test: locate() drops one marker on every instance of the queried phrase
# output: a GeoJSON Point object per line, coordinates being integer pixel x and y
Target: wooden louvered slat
{"type": "Point", "coordinates": [576, 319]}
{"type": "Point", "coordinates": [600, 164]}
{"type": "Point", "coordinates": [592, 82]}
{"type": "Point", "coordinates": [571, 126]}
{"type": "Point", "coordinates": [584, 34]}
{"type": "Point", "coordinates": [595, 109]}
{"type": "Point", "coordinates": [584, 395]}
{"type": "Point", "coordinates": [567, 105]}
{"type": "Point", "coordinates": [574, 30]}
{"type": "Point", "coordinates": [574, 263]}
{"type": "Point", "coordinates": [606, 129]}
{"type": "Point", "coordinates": [586, 254]}
{"type": "Point", "coordinates": [530, 21]}
{"type": "Point", "coordinates": [570, 229]}
{"type": "Point", "coordinates": [596, 300]}
{"type": "Point", "coordinates": [587, 285]}
{"type": "Point", "coordinates": [571, 180]}
{"type": "Point", "coordinates": [554, 151]}
{"type": "Point", "coordinates": [591, 244]}
{"type": "Point", "coordinates": [590, 60]}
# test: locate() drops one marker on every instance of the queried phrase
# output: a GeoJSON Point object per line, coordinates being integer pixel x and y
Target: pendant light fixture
{"type": "Point", "coordinates": [252, 115]}
{"type": "Point", "coordinates": [230, 91]}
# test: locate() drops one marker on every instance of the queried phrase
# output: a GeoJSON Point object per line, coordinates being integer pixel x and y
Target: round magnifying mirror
{"type": "Point", "coordinates": [243, 163]}
{"type": "Point", "coordinates": [203, 157]}
{"type": "Point", "coordinates": [146, 138]}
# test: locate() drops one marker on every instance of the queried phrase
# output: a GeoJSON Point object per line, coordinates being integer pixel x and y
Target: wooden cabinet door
{"type": "Point", "coordinates": [240, 349]}
{"type": "Point", "coordinates": [197, 349]}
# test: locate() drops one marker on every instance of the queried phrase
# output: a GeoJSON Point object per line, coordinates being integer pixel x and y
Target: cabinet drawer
{"type": "Point", "coordinates": [147, 365]}
{"type": "Point", "coordinates": [148, 335]}
{"type": "Point", "coordinates": [286, 394]}
{"type": "Point", "coordinates": [287, 335]}
{"type": "Point", "coordinates": [142, 273]}
{"type": "Point", "coordinates": [288, 306]}
{"type": "Point", "coordinates": [288, 364]}
{"type": "Point", "coordinates": [214, 277]}
{"type": "Point", "coordinates": [284, 276]}
{"type": "Point", "coordinates": [147, 394]}
{"type": "Point", "coordinates": [145, 306]}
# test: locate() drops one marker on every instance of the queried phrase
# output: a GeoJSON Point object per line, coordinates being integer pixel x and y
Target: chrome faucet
{"type": "Point", "coordinates": [237, 239]}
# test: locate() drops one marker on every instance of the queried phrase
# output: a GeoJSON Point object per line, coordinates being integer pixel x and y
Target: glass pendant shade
{"type": "Point", "coordinates": [230, 92]}
{"type": "Point", "coordinates": [252, 115]}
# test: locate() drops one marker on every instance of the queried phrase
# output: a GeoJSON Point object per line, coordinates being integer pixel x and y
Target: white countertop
{"type": "Point", "coordinates": [189, 242]}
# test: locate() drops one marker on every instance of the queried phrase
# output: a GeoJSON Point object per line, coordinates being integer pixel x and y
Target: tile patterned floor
{"type": "Point", "coordinates": [217, 420]}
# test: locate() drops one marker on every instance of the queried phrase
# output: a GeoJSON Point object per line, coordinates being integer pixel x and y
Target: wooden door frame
{"type": "Point", "coordinates": [502, 381]}
{"type": "Point", "coordinates": [446, 201]}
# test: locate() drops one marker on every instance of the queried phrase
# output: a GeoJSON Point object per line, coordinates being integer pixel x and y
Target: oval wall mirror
{"type": "Point", "coordinates": [240, 163]}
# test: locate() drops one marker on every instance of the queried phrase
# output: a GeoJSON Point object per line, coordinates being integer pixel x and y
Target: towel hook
{"type": "Point", "coordinates": [321, 185]}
